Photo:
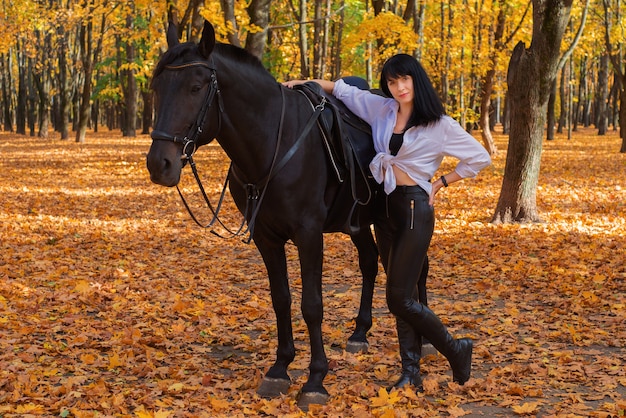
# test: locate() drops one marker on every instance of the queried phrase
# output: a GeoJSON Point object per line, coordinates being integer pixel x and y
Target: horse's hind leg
{"type": "Point", "coordinates": [368, 262]}
{"type": "Point", "coordinates": [276, 380]}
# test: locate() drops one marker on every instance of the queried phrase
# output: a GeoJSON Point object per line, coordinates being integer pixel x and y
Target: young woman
{"type": "Point", "coordinates": [412, 134]}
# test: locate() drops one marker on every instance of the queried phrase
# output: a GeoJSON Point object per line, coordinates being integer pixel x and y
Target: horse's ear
{"type": "Point", "coordinates": [207, 42]}
{"type": "Point", "coordinates": [172, 34]}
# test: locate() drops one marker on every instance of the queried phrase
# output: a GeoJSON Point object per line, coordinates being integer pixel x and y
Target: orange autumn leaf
{"type": "Point", "coordinates": [456, 411]}
{"type": "Point", "coordinates": [384, 398]}
{"type": "Point", "coordinates": [388, 413]}
{"type": "Point", "coordinates": [30, 408]}
{"type": "Point", "coordinates": [82, 286]}
{"type": "Point", "coordinates": [115, 361]}
{"type": "Point", "coordinates": [88, 358]}
{"type": "Point", "coordinates": [528, 408]}
{"type": "Point", "coordinates": [176, 387]}
{"type": "Point", "coordinates": [219, 404]}
{"type": "Point", "coordinates": [430, 385]}
{"type": "Point", "coordinates": [142, 413]}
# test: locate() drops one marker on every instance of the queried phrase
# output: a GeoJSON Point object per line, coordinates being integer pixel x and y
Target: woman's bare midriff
{"type": "Point", "coordinates": [402, 178]}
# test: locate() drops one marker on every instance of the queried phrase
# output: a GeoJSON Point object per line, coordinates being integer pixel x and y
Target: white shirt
{"type": "Point", "coordinates": [423, 148]}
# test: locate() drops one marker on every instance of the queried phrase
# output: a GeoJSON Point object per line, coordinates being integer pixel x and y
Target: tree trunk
{"type": "Point", "coordinates": [325, 40]}
{"type": "Point", "coordinates": [64, 87]}
{"type": "Point", "coordinates": [613, 101]}
{"type": "Point", "coordinates": [506, 115]}
{"type": "Point", "coordinates": [86, 34]}
{"type": "Point", "coordinates": [485, 105]}
{"type": "Point", "coordinates": [95, 115]}
{"type": "Point", "coordinates": [7, 113]}
{"type": "Point", "coordinates": [570, 99]}
{"type": "Point", "coordinates": [259, 12]}
{"type": "Point", "coordinates": [602, 113]}
{"type": "Point", "coordinates": [563, 100]}
{"type": "Point", "coordinates": [445, 50]}
{"type": "Point", "coordinates": [30, 107]}
{"type": "Point", "coordinates": [577, 116]}
{"type": "Point", "coordinates": [41, 77]}
{"type": "Point", "coordinates": [20, 114]}
{"type": "Point", "coordinates": [530, 76]}
{"type": "Point", "coordinates": [228, 6]}
{"type": "Point", "coordinates": [587, 113]}
{"type": "Point", "coordinates": [622, 117]}
{"type": "Point", "coordinates": [197, 22]}
{"type": "Point", "coordinates": [317, 39]}
{"type": "Point", "coordinates": [419, 17]}
{"type": "Point", "coordinates": [617, 61]}
{"type": "Point", "coordinates": [336, 70]}
{"type": "Point", "coordinates": [551, 113]}
{"type": "Point", "coordinates": [90, 55]}
{"type": "Point", "coordinates": [130, 92]}
{"type": "Point", "coordinates": [305, 69]}
{"type": "Point", "coordinates": [43, 90]}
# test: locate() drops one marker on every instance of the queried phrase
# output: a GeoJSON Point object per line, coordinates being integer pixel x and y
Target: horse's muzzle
{"type": "Point", "coordinates": [164, 163]}
{"type": "Point", "coordinates": [163, 136]}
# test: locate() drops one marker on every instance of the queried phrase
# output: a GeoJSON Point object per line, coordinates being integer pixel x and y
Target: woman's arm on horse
{"type": "Point", "coordinates": [325, 84]}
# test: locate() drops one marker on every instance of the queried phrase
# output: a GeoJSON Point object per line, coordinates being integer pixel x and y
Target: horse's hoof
{"type": "Point", "coordinates": [273, 388]}
{"type": "Point", "coordinates": [357, 347]}
{"type": "Point", "coordinates": [309, 398]}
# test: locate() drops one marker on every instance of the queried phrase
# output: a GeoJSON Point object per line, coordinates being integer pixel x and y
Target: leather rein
{"type": "Point", "coordinates": [255, 191]}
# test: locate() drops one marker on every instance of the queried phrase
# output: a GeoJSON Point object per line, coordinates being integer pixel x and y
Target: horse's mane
{"type": "Point", "coordinates": [230, 52]}
{"type": "Point", "coordinates": [238, 54]}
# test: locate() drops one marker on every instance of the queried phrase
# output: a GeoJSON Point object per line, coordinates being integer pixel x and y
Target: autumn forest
{"type": "Point", "coordinates": [67, 66]}
{"type": "Point", "coordinates": [113, 302]}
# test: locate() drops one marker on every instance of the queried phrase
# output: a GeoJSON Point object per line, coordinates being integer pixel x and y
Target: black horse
{"type": "Point", "coordinates": [283, 180]}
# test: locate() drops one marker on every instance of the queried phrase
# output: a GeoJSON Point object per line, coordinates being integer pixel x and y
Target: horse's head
{"type": "Point", "coordinates": [187, 101]}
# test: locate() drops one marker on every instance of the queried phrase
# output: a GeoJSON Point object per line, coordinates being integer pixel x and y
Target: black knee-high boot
{"type": "Point", "coordinates": [428, 325]}
{"type": "Point", "coordinates": [421, 294]}
{"type": "Point", "coordinates": [410, 354]}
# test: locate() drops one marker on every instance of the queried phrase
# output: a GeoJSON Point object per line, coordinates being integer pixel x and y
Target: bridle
{"type": "Point", "coordinates": [190, 141]}
{"type": "Point", "coordinates": [255, 191]}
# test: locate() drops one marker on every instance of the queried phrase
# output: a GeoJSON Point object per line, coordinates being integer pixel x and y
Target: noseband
{"type": "Point", "coordinates": [190, 141]}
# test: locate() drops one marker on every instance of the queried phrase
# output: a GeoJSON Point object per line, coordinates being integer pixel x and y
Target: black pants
{"type": "Point", "coordinates": [404, 227]}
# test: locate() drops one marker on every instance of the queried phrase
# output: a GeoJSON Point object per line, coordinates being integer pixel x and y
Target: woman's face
{"type": "Point", "coordinates": [401, 88]}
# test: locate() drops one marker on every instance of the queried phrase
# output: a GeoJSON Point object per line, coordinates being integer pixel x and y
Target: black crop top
{"type": "Point", "coordinates": [395, 143]}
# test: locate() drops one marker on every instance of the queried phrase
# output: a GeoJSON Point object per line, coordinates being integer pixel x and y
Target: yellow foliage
{"type": "Point", "coordinates": [387, 33]}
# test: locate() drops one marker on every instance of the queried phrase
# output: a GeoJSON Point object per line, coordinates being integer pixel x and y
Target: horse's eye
{"type": "Point", "coordinates": [196, 88]}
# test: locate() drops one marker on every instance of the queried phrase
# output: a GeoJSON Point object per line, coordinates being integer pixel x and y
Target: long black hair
{"type": "Point", "coordinates": [427, 106]}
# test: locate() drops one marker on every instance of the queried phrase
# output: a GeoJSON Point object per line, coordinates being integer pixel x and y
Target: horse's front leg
{"type": "Point", "coordinates": [368, 263]}
{"type": "Point", "coordinates": [276, 380]}
{"type": "Point", "coordinates": [310, 251]}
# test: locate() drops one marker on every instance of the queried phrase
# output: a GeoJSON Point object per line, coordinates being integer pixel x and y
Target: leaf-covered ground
{"type": "Point", "coordinates": [114, 303]}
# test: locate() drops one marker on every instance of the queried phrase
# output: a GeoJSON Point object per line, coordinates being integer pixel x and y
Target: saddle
{"type": "Point", "coordinates": [350, 148]}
